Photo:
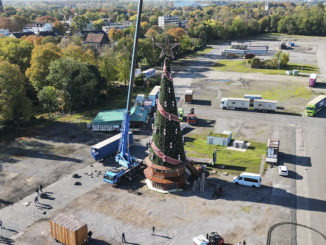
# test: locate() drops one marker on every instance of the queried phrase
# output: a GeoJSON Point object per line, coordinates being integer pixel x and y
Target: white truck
{"type": "Point", "coordinates": [273, 146]}
{"type": "Point", "coordinates": [246, 103]}
{"type": "Point", "coordinates": [235, 103]}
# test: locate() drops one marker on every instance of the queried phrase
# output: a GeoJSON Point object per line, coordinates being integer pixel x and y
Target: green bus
{"type": "Point", "coordinates": [315, 105]}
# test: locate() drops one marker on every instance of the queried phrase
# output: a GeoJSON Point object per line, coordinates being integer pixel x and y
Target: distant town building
{"type": "Point", "coordinates": [4, 32]}
{"type": "Point", "coordinates": [163, 21]}
{"type": "Point", "coordinates": [38, 27]}
{"type": "Point", "coordinates": [97, 40]}
{"type": "Point", "coordinates": [123, 25]}
{"type": "Point", "coordinates": [1, 7]}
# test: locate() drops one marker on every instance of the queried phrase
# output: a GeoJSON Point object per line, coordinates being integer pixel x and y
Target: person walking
{"type": "Point", "coordinates": [123, 238]}
{"type": "Point", "coordinates": [41, 188]}
{"type": "Point", "coordinates": [36, 201]}
{"type": "Point", "coordinates": [37, 193]}
{"type": "Point", "coordinates": [153, 230]}
{"type": "Point", "coordinates": [1, 224]}
{"type": "Point", "coordinates": [244, 242]}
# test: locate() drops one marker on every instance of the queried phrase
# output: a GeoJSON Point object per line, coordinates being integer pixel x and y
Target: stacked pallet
{"type": "Point", "coordinates": [68, 230]}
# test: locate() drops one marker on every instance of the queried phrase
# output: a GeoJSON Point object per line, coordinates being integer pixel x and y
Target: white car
{"type": "Point", "coordinates": [283, 171]}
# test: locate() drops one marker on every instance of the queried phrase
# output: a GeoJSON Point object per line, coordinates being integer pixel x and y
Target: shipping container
{"type": "Point", "coordinates": [107, 147]}
{"type": "Point", "coordinates": [69, 230]}
{"type": "Point", "coordinates": [235, 103]}
{"type": "Point", "coordinates": [265, 105]}
{"type": "Point", "coordinates": [316, 105]}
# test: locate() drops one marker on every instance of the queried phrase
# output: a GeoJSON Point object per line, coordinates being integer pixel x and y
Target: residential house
{"type": "Point", "coordinates": [4, 32]}
{"type": "Point", "coordinates": [38, 27]}
{"type": "Point", "coordinates": [97, 40]}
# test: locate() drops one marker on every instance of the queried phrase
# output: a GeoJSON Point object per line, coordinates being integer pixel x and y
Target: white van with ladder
{"type": "Point", "coordinates": [248, 179]}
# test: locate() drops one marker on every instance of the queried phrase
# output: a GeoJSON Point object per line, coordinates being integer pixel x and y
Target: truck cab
{"type": "Point", "coordinates": [112, 175]}
{"type": "Point", "coordinates": [310, 110]}
{"type": "Point", "coordinates": [180, 112]}
{"type": "Point", "coordinates": [224, 103]}
{"type": "Point", "coordinates": [312, 80]}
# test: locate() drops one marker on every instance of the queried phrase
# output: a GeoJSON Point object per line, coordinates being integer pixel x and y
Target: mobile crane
{"type": "Point", "coordinates": [128, 164]}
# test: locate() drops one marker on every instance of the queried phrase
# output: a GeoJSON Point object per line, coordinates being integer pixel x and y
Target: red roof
{"type": "Point", "coordinates": [94, 38]}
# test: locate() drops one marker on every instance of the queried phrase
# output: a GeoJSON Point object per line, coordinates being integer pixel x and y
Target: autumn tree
{"type": "Point", "coordinates": [16, 51]}
{"type": "Point", "coordinates": [115, 34]}
{"type": "Point", "coordinates": [14, 105]}
{"type": "Point", "coordinates": [80, 54]}
{"type": "Point", "coordinates": [42, 56]}
{"type": "Point", "coordinates": [177, 33]}
{"type": "Point", "coordinates": [47, 19]}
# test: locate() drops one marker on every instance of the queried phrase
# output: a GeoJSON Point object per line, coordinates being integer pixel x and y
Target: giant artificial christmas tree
{"type": "Point", "coordinates": [166, 162]}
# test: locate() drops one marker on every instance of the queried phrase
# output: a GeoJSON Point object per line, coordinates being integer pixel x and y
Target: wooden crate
{"type": "Point", "coordinates": [69, 230]}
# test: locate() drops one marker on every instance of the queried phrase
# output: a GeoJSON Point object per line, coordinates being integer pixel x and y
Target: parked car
{"type": "Point", "coordinates": [283, 171]}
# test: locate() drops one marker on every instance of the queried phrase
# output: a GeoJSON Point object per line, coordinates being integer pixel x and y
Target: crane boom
{"type": "Point", "coordinates": [123, 157]}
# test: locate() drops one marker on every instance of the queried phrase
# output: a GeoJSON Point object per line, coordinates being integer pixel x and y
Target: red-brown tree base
{"type": "Point", "coordinates": [165, 178]}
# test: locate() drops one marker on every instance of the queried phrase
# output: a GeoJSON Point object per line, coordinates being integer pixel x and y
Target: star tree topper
{"type": "Point", "coordinates": [167, 48]}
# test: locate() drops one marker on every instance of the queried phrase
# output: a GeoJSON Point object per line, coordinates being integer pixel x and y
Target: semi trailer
{"type": "Point", "coordinates": [246, 103]}
{"type": "Point", "coordinates": [107, 147]}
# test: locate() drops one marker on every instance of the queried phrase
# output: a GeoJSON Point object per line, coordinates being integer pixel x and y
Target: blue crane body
{"type": "Point", "coordinates": [125, 160]}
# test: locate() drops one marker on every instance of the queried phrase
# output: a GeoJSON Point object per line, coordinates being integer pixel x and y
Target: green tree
{"type": "Point", "coordinates": [42, 55]}
{"type": "Point", "coordinates": [238, 27]}
{"type": "Point", "coordinates": [153, 20]}
{"type": "Point", "coordinates": [80, 83]}
{"type": "Point", "coordinates": [108, 67]}
{"type": "Point", "coordinates": [98, 24]}
{"type": "Point", "coordinates": [59, 28]}
{"type": "Point", "coordinates": [16, 51]}
{"type": "Point", "coordinates": [123, 66]}
{"type": "Point", "coordinates": [48, 97]}
{"type": "Point", "coordinates": [80, 21]}
{"type": "Point", "coordinates": [14, 105]}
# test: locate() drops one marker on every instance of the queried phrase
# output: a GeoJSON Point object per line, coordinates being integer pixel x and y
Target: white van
{"type": "Point", "coordinates": [248, 179]}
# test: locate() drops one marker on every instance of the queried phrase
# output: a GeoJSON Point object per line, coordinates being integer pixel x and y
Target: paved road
{"type": "Point", "coordinates": [303, 147]}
